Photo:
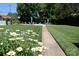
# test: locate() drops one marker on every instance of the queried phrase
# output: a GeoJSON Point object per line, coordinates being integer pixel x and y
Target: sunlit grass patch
{"type": "Point", "coordinates": [67, 37]}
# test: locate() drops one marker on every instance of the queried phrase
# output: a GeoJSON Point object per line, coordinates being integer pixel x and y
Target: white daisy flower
{"type": "Point", "coordinates": [34, 33]}
{"type": "Point", "coordinates": [19, 38]}
{"type": "Point", "coordinates": [37, 34]}
{"type": "Point", "coordinates": [28, 33]}
{"type": "Point", "coordinates": [29, 30]}
{"type": "Point", "coordinates": [1, 28]}
{"type": "Point", "coordinates": [22, 40]}
{"type": "Point", "coordinates": [33, 49]}
{"type": "Point", "coordinates": [17, 30]}
{"type": "Point", "coordinates": [27, 49]}
{"type": "Point", "coordinates": [11, 53]}
{"type": "Point", "coordinates": [40, 55]}
{"type": "Point", "coordinates": [44, 47]}
{"type": "Point", "coordinates": [40, 43]}
{"type": "Point", "coordinates": [30, 39]}
{"type": "Point", "coordinates": [12, 39]}
{"type": "Point", "coordinates": [14, 34]}
{"type": "Point", "coordinates": [1, 43]}
{"type": "Point", "coordinates": [11, 33]}
{"type": "Point", "coordinates": [19, 49]}
{"type": "Point", "coordinates": [40, 49]}
{"type": "Point", "coordinates": [35, 40]}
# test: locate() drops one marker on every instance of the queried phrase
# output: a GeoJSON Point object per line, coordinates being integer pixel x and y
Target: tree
{"type": "Point", "coordinates": [14, 17]}
{"type": "Point", "coordinates": [25, 11]}
{"type": "Point", "coordinates": [43, 11]}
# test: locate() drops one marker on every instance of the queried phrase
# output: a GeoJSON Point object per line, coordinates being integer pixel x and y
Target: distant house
{"type": "Point", "coordinates": [4, 19]}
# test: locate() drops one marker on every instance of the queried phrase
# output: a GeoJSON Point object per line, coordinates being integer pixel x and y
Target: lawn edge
{"type": "Point", "coordinates": [57, 41]}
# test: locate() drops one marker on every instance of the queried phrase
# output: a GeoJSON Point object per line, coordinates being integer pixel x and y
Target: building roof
{"type": "Point", "coordinates": [5, 17]}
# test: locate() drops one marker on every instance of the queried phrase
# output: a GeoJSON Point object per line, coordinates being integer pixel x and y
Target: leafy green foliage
{"type": "Point", "coordinates": [14, 17]}
{"type": "Point", "coordinates": [52, 11]}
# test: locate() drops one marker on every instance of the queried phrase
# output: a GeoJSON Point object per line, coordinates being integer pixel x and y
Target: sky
{"type": "Point", "coordinates": [5, 8]}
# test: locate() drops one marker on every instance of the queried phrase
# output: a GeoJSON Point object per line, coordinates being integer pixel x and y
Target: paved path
{"type": "Point", "coordinates": [53, 48]}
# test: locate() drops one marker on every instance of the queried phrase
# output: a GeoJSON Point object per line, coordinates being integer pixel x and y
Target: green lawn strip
{"type": "Point", "coordinates": [66, 36]}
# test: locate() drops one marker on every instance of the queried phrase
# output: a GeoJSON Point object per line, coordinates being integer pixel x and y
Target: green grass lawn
{"type": "Point", "coordinates": [66, 36]}
{"type": "Point", "coordinates": [20, 40]}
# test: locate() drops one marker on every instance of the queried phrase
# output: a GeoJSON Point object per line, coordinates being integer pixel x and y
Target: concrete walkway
{"type": "Point", "coordinates": [53, 48]}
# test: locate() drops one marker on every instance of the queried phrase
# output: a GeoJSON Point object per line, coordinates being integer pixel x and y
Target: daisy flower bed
{"type": "Point", "coordinates": [21, 40]}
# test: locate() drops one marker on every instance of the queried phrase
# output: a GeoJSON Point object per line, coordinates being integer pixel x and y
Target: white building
{"type": "Point", "coordinates": [4, 19]}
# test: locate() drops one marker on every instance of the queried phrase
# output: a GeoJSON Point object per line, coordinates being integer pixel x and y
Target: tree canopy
{"type": "Point", "coordinates": [40, 12]}
{"type": "Point", "coordinates": [14, 17]}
